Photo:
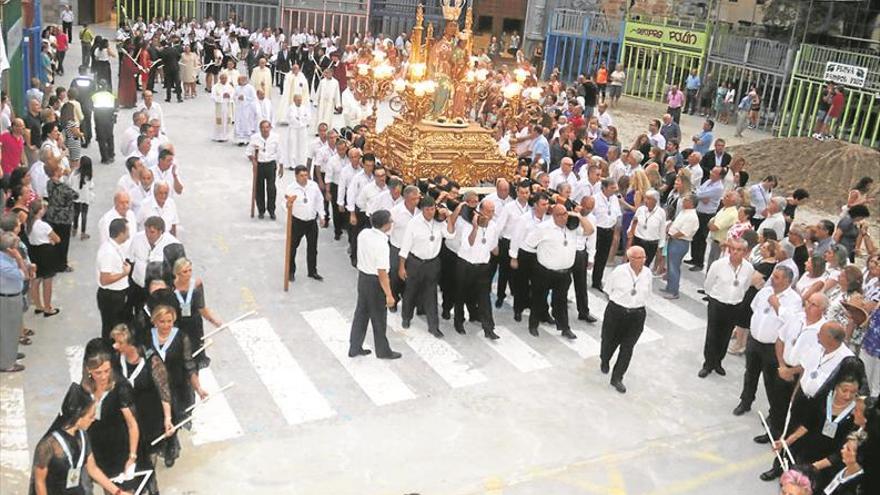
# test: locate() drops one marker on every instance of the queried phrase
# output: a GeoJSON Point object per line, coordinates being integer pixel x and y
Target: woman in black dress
{"type": "Point", "coordinates": [173, 346]}
{"type": "Point", "coordinates": [114, 434]}
{"type": "Point", "coordinates": [145, 372]}
{"type": "Point", "coordinates": [190, 293]}
{"type": "Point", "coordinates": [64, 451]}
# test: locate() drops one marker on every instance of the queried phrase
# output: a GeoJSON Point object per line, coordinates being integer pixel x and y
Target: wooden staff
{"type": "Point", "coordinates": [173, 429]}
{"type": "Point", "coordinates": [210, 396]}
{"type": "Point", "coordinates": [288, 240]}
{"type": "Point", "coordinates": [226, 325]}
{"type": "Point", "coordinates": [255, 164]}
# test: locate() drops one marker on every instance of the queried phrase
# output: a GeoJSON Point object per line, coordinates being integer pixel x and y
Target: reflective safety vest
{"type": "Point", "coordinates": [103, 99]}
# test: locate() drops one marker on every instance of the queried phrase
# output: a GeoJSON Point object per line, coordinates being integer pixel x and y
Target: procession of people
{"type": "Point", "coordinates": [799, 301]}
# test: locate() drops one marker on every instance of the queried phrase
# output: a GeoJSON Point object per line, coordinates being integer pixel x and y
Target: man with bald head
{"type": "Point", "coordinates": [564, 173]}
{"type": "Point", "coordinates": [556, 247]}
{"type": "Point", "coordinates": [121, 209]}
{"type": "Point", "coordinates": [501, 261]}
{"type": "Point", "coordinates": [160, 205]}
{"type": "Point", "coordinates": [628, 289]}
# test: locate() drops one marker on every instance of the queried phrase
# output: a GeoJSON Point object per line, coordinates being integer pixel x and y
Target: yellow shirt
{"type": "Point", "coordinates": [724, 219]}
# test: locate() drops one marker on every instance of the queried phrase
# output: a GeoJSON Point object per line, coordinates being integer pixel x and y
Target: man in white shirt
{"type": "Point", "coordinates": [147, 246]}
{"type": "Point", "coordinates": [564, 174]}
{"type": "Point", "coordinates": [629, 287]}
{"type": "Point", "coordinates": [419, 264]}
{"type": "Point", "coordinates": [401, 214]}
{"type": "Point", "coordinates": [264, 151]}
{"type": "Point", "coordinates": [121, 209]}
{"type": "Point", "coordinates": [616, 167]}
{"type": "Point", "coordinates": [304, 197]}
{"type": "Point", "coordinates": [589, 184]}
{"type": "Point", "coordinates": [373, 263]}
{"type": "Point", "coordinates": [151, 108]}
{"type": "Point", "coordinates": [773, 306]}
{"type": "Point", "coordinates": [726, 284]}
{"type": "Point", "coordinates": [693, 165]}
{"type": "Point", "coordinates": [501, 262]}
{"type": "Point", "coordinates": [656, 139]}
{"type": "Point", "coordinates": [678, 241]}
{"type": "Point", "coordinates": [336, 163]}
{"type": "Point", "coordinates": [798, 343]}
{"type": "Point", "coordinates": [356, 203]}
{"type": "Point", "coordinates": [760, 195]}
{"type": "Point", "coordinates": [166, 171]}
{"type": "Point", "coordinates": [523, 256]}
{"type": "Point", "coordinates": [299, 118]}
{"type": "Point", "coordinates": [112, 271]}
{"type": "Point", "coordinates": [160, 205]}
{"type": "Point", "coordinates": [607, 212]}
{"type": "Point", "coordinates": [479, 238]}
{"type": "Point", "coordinates": [132, 179]}
{"type": "Point", "coordinates": [556, 247]}
{"type": "Point", "coordinates": [648, 227]}
{"type": "Point", "coordinates": [130, 134]}
{"type": "Point", "coordinates": [774, 220]}
{"type": "Point", "coordinates": [586, 250]}
{"type": "Point", "coordinates": [605, 120]}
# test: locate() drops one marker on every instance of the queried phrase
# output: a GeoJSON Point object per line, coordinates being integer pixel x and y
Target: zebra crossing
{"type": "Point", "coordinates": [294, 397]}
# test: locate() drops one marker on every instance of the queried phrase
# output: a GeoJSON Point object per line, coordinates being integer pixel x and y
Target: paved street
{"type": "Point", "coordinates": [457, 416]}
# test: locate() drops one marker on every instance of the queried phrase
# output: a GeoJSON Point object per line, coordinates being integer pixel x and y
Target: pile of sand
{"type": "Point", "coordinates": [826, 169]}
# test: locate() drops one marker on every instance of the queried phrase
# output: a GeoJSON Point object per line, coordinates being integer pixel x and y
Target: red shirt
{"type": "Point", "coordinates": [61, 42]}
{"type": "Point", "coordinates": [577, 122]}
{"type": "Point", "coordinates": [836, 106]}
{"type": "Point", "coordinates": [13, 147]}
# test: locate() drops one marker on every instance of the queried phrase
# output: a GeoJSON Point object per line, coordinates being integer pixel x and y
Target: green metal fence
{"type": "Point", "coordinates": [132, 9]}
{"type": "Point", "coordinates": [860, 121]}
{"type": "Point", "coordinates": [660, 53]}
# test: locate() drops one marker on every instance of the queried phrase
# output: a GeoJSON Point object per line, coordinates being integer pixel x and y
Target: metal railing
{"type": "Point", "coordinates": [691, 23]}
{"type": "Point", "coordinates": [406, 7]}
{"type": "Point", "coordinates": [578, 22]}
{"type": "Point", "coordinates": [813, 60]}
{"type": "Point", "coordinates": [568, 21]}
{"type": "Point", "coordinates": [750, 51]}
{"type": "Point", "coordinates": [360, 7]}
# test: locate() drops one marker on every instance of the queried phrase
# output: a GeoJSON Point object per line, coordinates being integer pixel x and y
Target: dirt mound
{"type": "Point", "coordinates": [826, 169]}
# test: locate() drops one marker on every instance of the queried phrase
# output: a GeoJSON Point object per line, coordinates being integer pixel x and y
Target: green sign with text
{"type": "Point", "coordinates": [673, 37]}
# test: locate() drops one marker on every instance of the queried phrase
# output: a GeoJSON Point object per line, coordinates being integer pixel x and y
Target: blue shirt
{"type": "Point", "coordinates": [600, 147]}
{"type": "Point", "coordinates": [704, 143]}
{"type": "Point", "coordinates": [712, 192]}
{"type": "Point", "coordinates": [692, 82]}
{"type": "Point", "coordinates": [745, 103]}
{"type": "Point", "coordinates": [542, 147]}
{"type": "Point", "coordinates": [11, 278]}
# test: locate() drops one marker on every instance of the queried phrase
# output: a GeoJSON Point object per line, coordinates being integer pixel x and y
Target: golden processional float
{"type": "Point", "coordinates": [433, 133]}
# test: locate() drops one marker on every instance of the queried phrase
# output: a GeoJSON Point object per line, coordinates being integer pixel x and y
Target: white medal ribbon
{"type": "Point", "coordinates": [134, 374]}
{"type": "Point", "coordinates": [73, 474]}
{"type": "Point", "coordinates": [830, 427]}
{"type": "Point", "coordinates": [162, 349]}
{"type": "Point", "coordinates": [840, 479]}
{"type": "Point", "coordinates": [186, 306]}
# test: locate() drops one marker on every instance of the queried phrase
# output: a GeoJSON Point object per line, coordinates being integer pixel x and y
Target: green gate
{"type": "Point", "coordinates": [858, 73]}
{"type": "Point", "coordinates": [130, 10]}
{"type": "Point", "coordinates": [658, 54]}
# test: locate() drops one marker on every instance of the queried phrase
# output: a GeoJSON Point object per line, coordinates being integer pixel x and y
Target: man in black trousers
{"type": "Point", "coordinates": [305, 198]}
{"type": "Point", "coordinates": [420, 264]}
{"type": "Point", "coordinates": [373, 288]}
{"type": "Point", "coordinates": [607, 212]}
{"type": "Point", "coordinates": [113, 270]}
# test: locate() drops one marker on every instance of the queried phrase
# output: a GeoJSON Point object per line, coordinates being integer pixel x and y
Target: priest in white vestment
{"type": "Point", "coordinates": [264, 108]}
{"type": "Point", "coordinates": [245, 111]}
{"type": "Point", "coordinates": [299, 117]}
{"type": "Point", "coordinates": [329, 99]}
{"type": "Point", "coordinates": [353, 111]}
{"type": "Point", "coordinates": [295, 83]}
{"type": "Point", "coordinates": [261, 78]}
{"type": "Point", "coordinates": [222, 93]}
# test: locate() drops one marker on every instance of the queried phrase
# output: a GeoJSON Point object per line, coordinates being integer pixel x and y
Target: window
{"type": "Point", "coordinates": [515, 25]}
{"type": "Point", "coordinates": [484, 24]}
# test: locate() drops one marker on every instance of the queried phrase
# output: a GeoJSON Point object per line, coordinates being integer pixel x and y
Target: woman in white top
{"type": "Point", "coordinates": [81, 181]}
{"type": "Point", "coordinates": [618, 79]}
{"type": "Point", "coordinates": [43, 254]}
{"type": "Point", "coordinates": [813, 279]}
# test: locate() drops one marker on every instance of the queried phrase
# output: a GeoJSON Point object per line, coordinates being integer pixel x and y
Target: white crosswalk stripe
{"type": "Point", "coordinates": [214, 421]}
{"type": "Point", "coordinates": [287, 383]}
{"type": "Point", "coordinates": [515, 351]}
{"type": "Point", "coordinates": [374, 376]}
{"type": "Point", "coordinates": [674, 313]}
{"type": "Point", "coordinates": [13, 429]}
{"type": "Point", "coordinates": [585, 346]}
{"type": "Point", "coordinates": [437, 353]}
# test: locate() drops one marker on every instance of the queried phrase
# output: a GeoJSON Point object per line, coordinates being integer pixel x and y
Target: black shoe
{"type": "Point", "coordinates": [619, 386]}
{"type": "Point", "coordinates": [549, 320]}
{"type": "Point", "coordinates": [436, 333]}
{"type": "Point", "coordinates": [701, 291]}
{"type": "Point", "coordinates": [261, 216]}
{"type": "Point", "coordinates": [169, 461]}
{"type": "Point", "coordinates": [589, 318]}
{"type": "Point", "coordinates": [289, 168]}
{"type": "Point", "coordinates": [704, 372]}
{"type": "Point", "coordinates": [533, 331]}
{"type": "Point", "coordinates": [771, 474]}
{"type": "Point", "coordinates": [180, 100]}
{"type": "Point", "coordinates": [272, 216]}
{"type": "Point", "coordinates": [316, 277]}
{"type": "Point", "coordinates": [499, 302]}
{"type": "Point", "coordinates": [393, 309]}
{"type": "Point", "coordinates": [567, 333]}
{"type": "Point", "coordinates": [604, 368]}
{"type": "Point", "coordinates": [362, 352]}
{"type": "Point", "coordinates": [696, 268]}
{"type": "Point", "coordinates": [445, 315]}
{"type": "Point", "coordinates": [741, 409]}
{"type": "Point", "coordinates": [762, 439]}
{"type": "Point", "coordinates": [689, 262]}
{"type": "Point", "coordinates": [517, 316]}
{"type": "Point", "coordinates": [597, 287]}
{"type": "Point", "coordinates": [20, 355]}
{"type": "Point", "coordinates": [404, 323]}
{"type": "Point", "coordinates": [473, 319]}
{"type": "Point", "coordinates": [718, 369]}
{"type": "Point", "coordinates": [459, 328]}
{"type": "Point", "coordinates": [490, 334]}
{"type": "Point", "coordinates": [390, 355]}
{"type": "Point", "coordinates": [167, 100]}
{"type": "Point", "coordinates": [336, 237]}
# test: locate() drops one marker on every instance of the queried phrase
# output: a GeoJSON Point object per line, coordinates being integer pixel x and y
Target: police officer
{"type": "Point", "coordinates": [84, 84]}
{"type": "Point", "coordinates": [104, 104]}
